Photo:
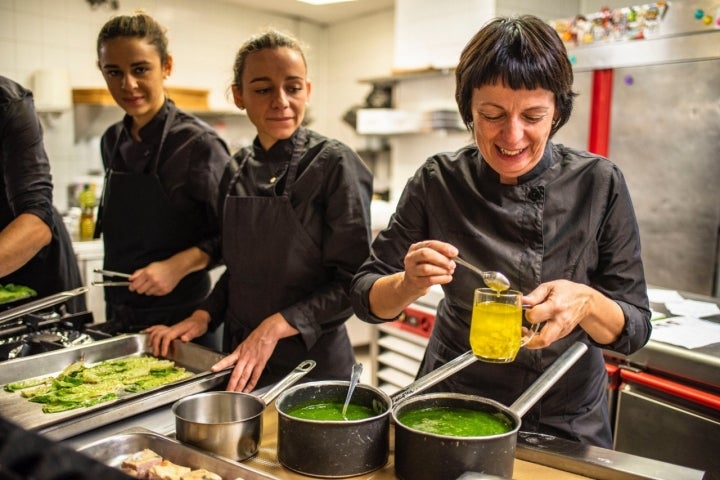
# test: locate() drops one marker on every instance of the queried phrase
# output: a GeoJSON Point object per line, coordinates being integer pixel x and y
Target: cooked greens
{"type": "Point", "coordinates": [11, 292]}
{"type": "Point", "coordinates": [79, 385]}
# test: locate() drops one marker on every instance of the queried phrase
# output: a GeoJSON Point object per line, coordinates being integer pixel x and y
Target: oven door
{"type": "Point", "coordinates": [664, 420]}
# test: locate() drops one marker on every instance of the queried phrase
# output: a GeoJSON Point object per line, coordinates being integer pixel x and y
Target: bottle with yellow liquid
{"type": "Point", "coordinates": [86, 199]}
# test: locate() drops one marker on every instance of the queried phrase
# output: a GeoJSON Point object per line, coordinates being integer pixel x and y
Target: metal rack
{"type": "Point", "coordinates": [397, 348]}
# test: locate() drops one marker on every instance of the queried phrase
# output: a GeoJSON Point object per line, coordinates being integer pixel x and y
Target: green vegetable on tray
{"type": "Point", "coordinates": [11, 292]}
{"type": "Point", "coordinates": [80, 386]}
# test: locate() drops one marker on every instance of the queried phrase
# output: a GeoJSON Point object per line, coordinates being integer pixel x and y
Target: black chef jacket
{"type": "Point", "coordinates": [26, 187]}
{"type": "Point", "coordinates": [330, 198]}
{"type": "Point", "coordinates": [189, 171]}
{"type": "Point", "coordinates": [179, 162]}
{"type": "Point", "coordinates": [570, 217]}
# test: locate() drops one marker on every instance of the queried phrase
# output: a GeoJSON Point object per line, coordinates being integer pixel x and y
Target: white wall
{"type": "Point", "coordinates": [357, 50]}
{"type": "Point", "coordinates": [204, 36]}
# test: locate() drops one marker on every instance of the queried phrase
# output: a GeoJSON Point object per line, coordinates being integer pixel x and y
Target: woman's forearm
{"type": "Point", "coordinates": [21, 240]}
{"type": "Point", "coordinates": [389, 296]}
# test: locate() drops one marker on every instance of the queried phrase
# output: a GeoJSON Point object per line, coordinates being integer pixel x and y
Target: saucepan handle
{"type": "Point", "coordinates": [300, 371]}
{"type": "Point", "coordinates": [548, 378]}
{"type": "Point", "coordinates": [437, 375]}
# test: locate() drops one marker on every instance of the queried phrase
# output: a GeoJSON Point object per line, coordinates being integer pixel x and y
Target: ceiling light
{"type": "Point", "coordinates": [324, 2]}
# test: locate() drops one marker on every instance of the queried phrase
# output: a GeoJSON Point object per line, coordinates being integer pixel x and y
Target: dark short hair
{"type": "Point", "coordinates": [519, 52]}
{"type": "Point", "coordinates": [268, 39]}
{"type": "Point", "coordinates": [140, 25]}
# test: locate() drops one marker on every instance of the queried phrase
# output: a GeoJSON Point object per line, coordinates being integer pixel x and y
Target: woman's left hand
{"type": "Point", "coordinates": [563, 305]}
{"type": "Point", "coordinates": [157, 278]}
{"type": "Point", "coordinates": [251, 356]}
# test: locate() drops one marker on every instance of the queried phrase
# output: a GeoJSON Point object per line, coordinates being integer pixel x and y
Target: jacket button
{"type": "Point", "coordinates": [535, 194]}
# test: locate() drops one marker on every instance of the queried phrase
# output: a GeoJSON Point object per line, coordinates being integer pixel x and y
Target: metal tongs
{"type": "Point", "coordinates": [40, 304]}
{"type": "Point", "coordinates": [111, 274]}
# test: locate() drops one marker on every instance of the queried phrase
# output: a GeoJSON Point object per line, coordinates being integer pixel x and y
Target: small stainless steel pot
{"type": "Point", "coordinates": [228, 423]}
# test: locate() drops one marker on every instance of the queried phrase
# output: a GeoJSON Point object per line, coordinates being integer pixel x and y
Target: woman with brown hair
{"type": "Point", "coordinates": [295, 228]}
{"type": "Point", "coordinates": [158, 215]}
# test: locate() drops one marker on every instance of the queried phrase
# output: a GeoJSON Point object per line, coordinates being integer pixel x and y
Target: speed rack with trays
{"type": "Point", "coordinates": [397, 348]}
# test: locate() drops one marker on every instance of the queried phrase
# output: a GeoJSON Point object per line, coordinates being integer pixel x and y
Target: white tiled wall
{"type": "Point", "coordinates": [204, 36]}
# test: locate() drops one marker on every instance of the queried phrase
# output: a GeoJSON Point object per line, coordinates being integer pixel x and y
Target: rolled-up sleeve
{"type": "Point", "coordinates": [26, 169]}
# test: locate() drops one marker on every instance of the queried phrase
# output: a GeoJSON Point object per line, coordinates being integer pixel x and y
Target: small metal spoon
{"type": "Point", "coordinates": [495, 280]}
{"type": "Point", "coordinates": [354, 379]}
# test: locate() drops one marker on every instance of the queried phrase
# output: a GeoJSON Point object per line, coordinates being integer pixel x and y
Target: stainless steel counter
{"type": "Point", "coordinates": [538, 457]}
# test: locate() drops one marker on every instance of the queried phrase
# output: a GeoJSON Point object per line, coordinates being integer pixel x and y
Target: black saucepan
{"type": "Point", "coordinates": [420, 455]}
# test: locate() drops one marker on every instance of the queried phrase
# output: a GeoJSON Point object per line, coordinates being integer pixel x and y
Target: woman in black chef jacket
{"type": "Point", "coordinates": [158, 214]}
{"type": "Point", "coordinates": [557, 221]}
{"type": "Point", "coordinates": [35, 247]}
{"type": "Point", "coordinates": [295, 228]}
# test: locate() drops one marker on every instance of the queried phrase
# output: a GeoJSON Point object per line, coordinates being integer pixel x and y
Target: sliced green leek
{"type": "Point", "coordinates": [80, 386]}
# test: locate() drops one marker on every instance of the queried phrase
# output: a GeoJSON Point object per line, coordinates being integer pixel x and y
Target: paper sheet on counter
{"type": "Point", "coordinates": [692, 308]}
{"type": "Point", "coordinates": [686, 332]}
{"type": "Point", "coordinates": [661, 295]}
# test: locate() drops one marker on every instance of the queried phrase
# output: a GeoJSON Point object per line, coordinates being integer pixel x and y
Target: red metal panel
{"type": "Point", "coordinates": [672, 388]}
{"type": "Point", "coordinates": [600, 108]}
{"type": "Point", "coordinates": [417, 320]}
{"type": "Point", "coordinates": [613, 372]}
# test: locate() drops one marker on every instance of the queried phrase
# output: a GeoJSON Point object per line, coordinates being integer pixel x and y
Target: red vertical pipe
{"type": "Point", "coordinates": [599, 137]}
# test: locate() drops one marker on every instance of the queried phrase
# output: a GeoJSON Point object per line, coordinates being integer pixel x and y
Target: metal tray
{"type": "Point", "coordinates": [195, 358]}
{"type": "Point", "coordinates": [113, 450]}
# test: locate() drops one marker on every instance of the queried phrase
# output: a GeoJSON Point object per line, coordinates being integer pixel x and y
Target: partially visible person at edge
{"type": "Point", "coordinates": [284, 296]}
{"type": "Point", "coordinates": [35, 247]}
{"type": "Point", "coordinates": [158, 214]}
{"type": "Point", "coordinates": [557, 221]}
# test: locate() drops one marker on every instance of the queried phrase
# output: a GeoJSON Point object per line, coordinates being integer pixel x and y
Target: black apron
{"type": "Point", "coordinates": [140, 226]}
{"type": "Point", "coordinates": [273, 263]}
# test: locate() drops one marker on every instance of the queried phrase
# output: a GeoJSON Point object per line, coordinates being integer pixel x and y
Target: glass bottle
{"type": "Point", "coordinates": [86, 199]}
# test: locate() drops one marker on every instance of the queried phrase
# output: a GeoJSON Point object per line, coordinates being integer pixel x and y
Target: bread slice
{"type": "Point", "coordinates": [139, 463]}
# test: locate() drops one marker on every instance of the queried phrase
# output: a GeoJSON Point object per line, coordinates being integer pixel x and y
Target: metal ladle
{"type": "Point", "coordinates": [354, 379]}
{"type": "Point", "coordinates": [494, 280]}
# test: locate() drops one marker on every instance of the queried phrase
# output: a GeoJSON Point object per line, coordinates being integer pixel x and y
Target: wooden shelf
{"type": "Point", "coordinates": [192, 99]}
{"type": "Point", "coordinates": [398, 75]}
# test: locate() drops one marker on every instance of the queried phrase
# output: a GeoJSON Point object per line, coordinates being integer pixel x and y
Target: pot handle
{"type": "Point", "coordinates": [548, 378]}
{"type": "Point", "coordinates": [299, 372]}
{"type": "Point", "coordinates": [441, 373]}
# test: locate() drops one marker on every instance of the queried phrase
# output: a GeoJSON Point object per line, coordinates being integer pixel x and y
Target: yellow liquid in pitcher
{"type": "Point", "coordinates": [495, 331]}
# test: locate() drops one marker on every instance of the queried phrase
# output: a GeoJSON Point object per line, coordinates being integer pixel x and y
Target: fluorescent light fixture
{"type": "Point", "coordinates": [324, 2]}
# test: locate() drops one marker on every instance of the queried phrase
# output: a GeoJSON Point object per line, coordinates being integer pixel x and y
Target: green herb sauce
{"type": "Point", "coordinates": [328, 410]}
{"type": "Point", "coordinates": [455, 421]}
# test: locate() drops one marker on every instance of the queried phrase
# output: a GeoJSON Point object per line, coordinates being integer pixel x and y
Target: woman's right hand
{"type": "Point", "coordinates": [429, 263]}
{"type": "Point", "coordinates": [161, 336]}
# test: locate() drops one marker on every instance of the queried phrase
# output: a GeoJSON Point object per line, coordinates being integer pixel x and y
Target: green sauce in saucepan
{"type": "Point", "coordinates": [328, 410]}
{"type": "Point", "coordinates": [455, 421]}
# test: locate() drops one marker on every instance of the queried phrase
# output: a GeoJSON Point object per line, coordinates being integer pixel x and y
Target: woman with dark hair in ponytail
{"type": "Point", "coordinates": [158, 215]}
